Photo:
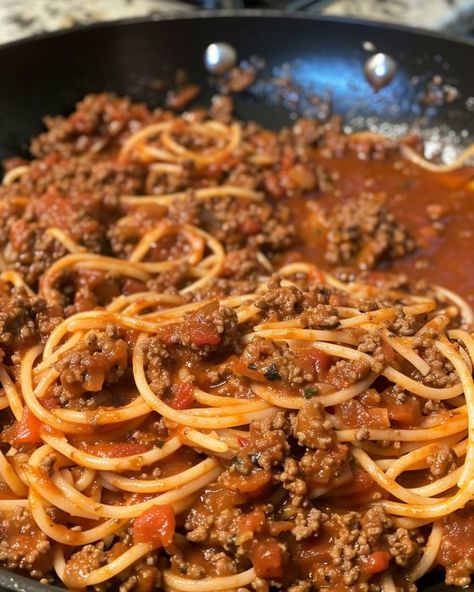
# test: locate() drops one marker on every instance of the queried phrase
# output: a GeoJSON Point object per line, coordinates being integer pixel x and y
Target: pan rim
{"type": "Point", "coordinates": [263, 14]}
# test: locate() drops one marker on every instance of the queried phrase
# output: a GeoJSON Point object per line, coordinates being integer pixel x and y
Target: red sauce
{"type": "Point", "coordinates": [443, 256]}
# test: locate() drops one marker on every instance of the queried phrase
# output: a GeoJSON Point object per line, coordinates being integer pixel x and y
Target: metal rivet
{"type": "Point", "coordinates": [219, 58]}
{"type": "Point", "coordinates": [380, 69]}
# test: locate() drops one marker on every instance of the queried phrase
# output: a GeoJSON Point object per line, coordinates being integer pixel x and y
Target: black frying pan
{"type": "Point", "coordinates": [48, 74]}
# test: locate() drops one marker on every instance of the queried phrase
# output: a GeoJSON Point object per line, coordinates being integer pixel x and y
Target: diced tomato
{"type": "Point", "coordinates": [251, 226]}
{"type": "Point", "coordinates": [27, 430]}
{"type": "Point", "coordinates": [156, 526]}
{"type": "Point", "coordinates": [406, 413]}
{"type": "Point", "coordinates": [376, 562]}
{"type": "Point", "coordinates": [253, 521]}
{"type": "Point", "coordinates": [202, 334]}
{"type": "Point", "coordinates": [354, 415]}
{"type": "Point", "coordinates": [388, 352]}
{"type": "Point", "coordinates": [131, 286]}
{"type": "Point", "coordinates": [361, 482]}
{"type": "Point", "coordinates": [182, 396]}
{"type": "Point", "coordinates": [276, 528]}
{"type": "Point", "coordinates": [321, 360]}
{"type": "Point", "coordinates": [267, 558]}
{"type": "Point", "coordinates": [115, 449]}
{"type": "Point", "coordinates": [255, 482]}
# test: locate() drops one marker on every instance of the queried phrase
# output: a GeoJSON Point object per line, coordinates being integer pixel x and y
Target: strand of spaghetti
{"type": "Point", "coordinates": [126, 463]}
{"type": "Point", "coordinates": [16, 280]}
{"type": "Point", "coordinates": [9, 476]}
{"type": "Point", "coordinates": [239, 418]}
{"type": "Point", "coordinates": [413, 435]}
{"type": "Point", "coordinates": [390, 485]}
{"type": "Point", "coordinates": [412, 458]}
{"type": "Point", "coordinates": [269, 394]}
{"type": "Point", "coordinates": [437, 510]}
{"type": "Point", "coordinates": [12, 505]}
{"type": "Point", "coordinates": [465, 338]}
{"type": "Point", "coordinates": [136, 307]}
{"type": "Point", "coordinates": [34, 405]}
{"type": "Point", "coordinates": [315, 336]}
{"type": "Point", "coordinates": [100, 510]}
{"type": "Point", "coordinates": [77, 578]}
{"type": "Point", "coordinates": [106, 317]}
{"type": "Point", "coordinates": [407, 352]}
{"type": "Point", "coordinates": [15, 173]}
{"type": "Point", "coordinates": [165, 229]}
{"type": "Point", "coordinates": [68, 243]}
{"type": "Point", "coordinates": [426, 392]}
{"type": "Point", "coordinates": [49, 360]}
{"type": "Point", "coordinates": [55, 496]}
{"type": "Point", "coordinates": [377, 316]}
{"type": "Point", "coordinates": [150, 153]}
{"type": "Point", "coordinates": [402, 448]}
{"type": "Point", "coordinates": [85, 479]}
{"type": "Point", "coordinates": [430, 553]}
{"type": "Point", "coordinates": [216, 268]}
{"type": "Point", "coordinates": [410, 154]}
{"type": "Point", "coordinates": [150, 298]}
{"type": "Point", "coordinates": [14, 399]}
{"type": "Point", "coordinates": [215, 400]}
{"type": "Point", "coordinates": [447, 349]}
{"type": "Point", "coordinates": [200, 194]}
{"type": "Point", "coordinates": [141, 135]}
{"type": "Point", "coordinates": [388, 585]}
{"type": "Point", "coordinates": [59, 563]}
{"type": "Point", "coordinates": [204, 441]}
{"type": "Point", "coordinates": [249, 406]}
{"type": "Point", "coordinates": [104, 416]}
{"type": "Point", "coordinates": [467, 313]}
{"type": "Point", "coordinates": [339, 336]}
{"type": "Point", "coordinates": [66, 536]}
{"type": "Point", "coordinates": [440, 485]}
{"type": "Point", "coordinates": [203, 159]}
{"type": "Point", "coordinates": [213, 584]}
{"type": "Point", "coordinates": [159, 485]}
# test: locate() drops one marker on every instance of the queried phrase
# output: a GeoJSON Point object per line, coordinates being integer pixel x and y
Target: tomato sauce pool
{"type": "Point", "coordinates": [437, 209]}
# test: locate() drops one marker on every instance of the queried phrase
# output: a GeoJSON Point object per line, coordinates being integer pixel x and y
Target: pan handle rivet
{"type": "Point", "coordinates": [219, 58]}
{"type": "Point", "coordinates": [380, 69]}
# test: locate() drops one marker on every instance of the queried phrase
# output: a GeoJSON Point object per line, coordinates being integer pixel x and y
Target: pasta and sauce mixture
{"type": "Point", "coordinates": [234, 359]}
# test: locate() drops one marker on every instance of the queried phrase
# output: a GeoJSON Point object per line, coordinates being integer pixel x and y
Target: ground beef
{"type": "Point", "coordinates": [322, 316]}
{"type": "Point", "coordinates": [24, 320]}
{"type": "Point", "coordinates": [313, 427]}
{"type": "Point", "coordinates": [346, 372]}
{"type": "Point", "coordinates": [402, 547]}
{"type": "Point", "coordinates": [244, 264]}
{"type": "Point", "coordinates": [364, 232]}
{"type": "Point", "coordinates": [23, 545]}
{"type": "Point", "coordinates": [442, 462]}
{"type": "Point", "coordinates": [255, 224]}
{"type": "Point", "coordinates": [89, 558]}
{"type": "Point", "coordinates": [99, 363]}
{"type": "Point", "coordinates": [283, 303]}
{"type": "Point", "coordinates": [205, 329]}
{"type": "Point", "coordinates": [276, 362]}
{"type": "Point", "coordinates": [99, 121]}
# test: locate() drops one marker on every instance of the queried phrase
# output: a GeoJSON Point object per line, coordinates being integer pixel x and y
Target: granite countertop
{"type": "Point", "coordinates": [21, 18]}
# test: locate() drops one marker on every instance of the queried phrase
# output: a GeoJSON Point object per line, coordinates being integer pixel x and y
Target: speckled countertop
{"type": "Point", "coordinates": [21, 18]}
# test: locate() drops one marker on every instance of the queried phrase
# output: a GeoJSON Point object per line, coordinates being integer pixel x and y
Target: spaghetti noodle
{"type": "Point", "coordinates": [189, 408]}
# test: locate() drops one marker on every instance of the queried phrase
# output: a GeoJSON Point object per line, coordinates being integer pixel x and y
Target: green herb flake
{"type": "Point", "coordinates": [309, 392]}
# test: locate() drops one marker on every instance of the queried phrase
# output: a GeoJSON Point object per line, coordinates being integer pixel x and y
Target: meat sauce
{"type": "Point", "coordinates": [437, 209]}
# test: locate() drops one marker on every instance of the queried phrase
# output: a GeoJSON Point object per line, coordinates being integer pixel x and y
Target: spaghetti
{"type": "Point", "coordinates": [190, 408]}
